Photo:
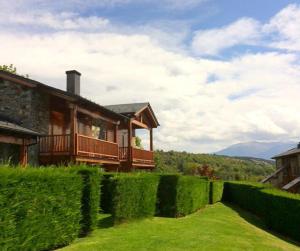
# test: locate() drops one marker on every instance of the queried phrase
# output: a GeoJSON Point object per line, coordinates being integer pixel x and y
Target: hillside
{"type": "Point", "coordinates": [264, 150]}
{"type": "Point", "coordinates": [227, 168]}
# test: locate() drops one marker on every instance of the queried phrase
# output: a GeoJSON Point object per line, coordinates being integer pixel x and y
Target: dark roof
{"type": "Point", "coordinates": [62, 93]}
{"type": "Point", "coordinates": [132, 109]}
{"type": "Point", "coordinates": [127, 108]}
{"type": "Point", "coordinates": [287, 153]}
{"type": "Point", "coordinates": [8, 126]}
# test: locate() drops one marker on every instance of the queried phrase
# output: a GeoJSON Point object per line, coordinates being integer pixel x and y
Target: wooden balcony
{"type": "Point", "coordinates": [139, 157]}
{"type": "Point", "coordinates": [55, 149]}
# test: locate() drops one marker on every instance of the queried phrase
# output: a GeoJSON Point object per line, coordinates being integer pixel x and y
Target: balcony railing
{"type": "Point", "coordinates": [91, 147]}
{"type": "Point", "coordinates": [85, 146]}
{"type": "Point", "coordinates": [54, 144]}
{"type": "Point", "coordinates": [139, 155]}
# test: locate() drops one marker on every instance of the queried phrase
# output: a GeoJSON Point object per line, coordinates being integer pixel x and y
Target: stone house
{"type": "Point", "coordinates": [42, 125]}
{"type": "Point", "coordinates": [287, 174]}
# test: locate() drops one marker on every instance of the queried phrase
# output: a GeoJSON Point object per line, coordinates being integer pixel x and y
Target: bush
{"type": "Point", "coordinates": [216, 191]}
{"type": "Point", "coordinates": [278, 209]}
{"type": "Point", "coordinates": [133, 196]}
{"type": "Point", "coordinates": [181, 195]}
{"type": "Point", "coordinates": [282, 212]}
{"type": "Point", "coordinates": [90, 196]}
{"type": "Point", "coordinates": [247, 195]}
{"type": "Point", "coordinates": [39, 208]}
{"type": "Point", "coordinates": [106, 194]}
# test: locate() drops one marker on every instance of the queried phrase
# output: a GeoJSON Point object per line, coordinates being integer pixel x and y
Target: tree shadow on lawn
{"type": "Point", "coordinates": [258, 222]}
{"type": "Point", "coordinates": [105, 221]}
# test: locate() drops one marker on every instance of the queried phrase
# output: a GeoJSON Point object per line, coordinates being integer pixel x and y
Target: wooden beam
{"type": "Point", "coordinates": [97, 116]}
{"type": "Point", "coordinates": [129, 143]}
{"type": "Point", "coordinates": [116, 134]}
{"type": "Point", "coordinates": [73, 130]}
{"type": "Point", "coordinates": [140, 124]}
{"type": "Point", "coordinates": [16, 80]}
{"type": "Point", "coordinates": [151, 139]}
{"type": "Point", "coordinates": [11, 140]}
{"type": "Point", "coordinates": [23, 154]}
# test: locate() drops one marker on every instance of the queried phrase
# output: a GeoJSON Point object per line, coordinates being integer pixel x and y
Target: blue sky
{"type": "Point", "coordinates": [216, 72]}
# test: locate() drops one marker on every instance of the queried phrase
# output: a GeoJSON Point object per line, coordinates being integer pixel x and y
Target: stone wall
{"type": "Point", "coordinates": [28, 106]}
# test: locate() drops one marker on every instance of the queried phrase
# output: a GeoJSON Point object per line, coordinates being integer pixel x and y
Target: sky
{"type": "Point", "coordinates": [216, 72]}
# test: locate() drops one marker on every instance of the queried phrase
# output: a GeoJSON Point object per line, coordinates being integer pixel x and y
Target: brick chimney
{"type": "Point", "coordinates": [73, 82]}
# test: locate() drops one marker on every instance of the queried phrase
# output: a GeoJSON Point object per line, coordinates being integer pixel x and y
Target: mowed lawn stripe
{"type": "Point", "coordinates": [217, 227]}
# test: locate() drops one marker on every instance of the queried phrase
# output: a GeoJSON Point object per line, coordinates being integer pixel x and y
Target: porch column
{"type": "Point", "coordinates": [73, 130]}
{"type": "Point", "coordinates": [116, 134]}
{"type": "Point", "coordinates": [151, 139]}
{"type": "Point", "coordinates": [129, 142]}
{"type": "Point", "coordinates": [23, 154]}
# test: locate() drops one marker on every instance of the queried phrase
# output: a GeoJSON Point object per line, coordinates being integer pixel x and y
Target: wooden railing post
{"type": "Point", "coordinates": [24, 154]}
{"type": "Point", "coordinates": [73, 129]}
{"type": "Point", "coordinates": [129, 143]}
{"type": "Point", "coordinates": [151, 139]}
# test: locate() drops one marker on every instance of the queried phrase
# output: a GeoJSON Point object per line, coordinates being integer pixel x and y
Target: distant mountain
{"type": "Point", "coordinates": [262, 150]}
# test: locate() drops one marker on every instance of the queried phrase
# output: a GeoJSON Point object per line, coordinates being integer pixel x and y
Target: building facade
{"type": "Point", "coordinates": [50, 126]}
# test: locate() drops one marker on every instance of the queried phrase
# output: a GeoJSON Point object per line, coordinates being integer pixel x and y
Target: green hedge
{"type": "Point", "coordinates": [90, 196]}
{"type": "Point", "coordinates": [247, 195]}
{"type": "Point", "coordinates": [106, 194]}
{"type": "Point", "coordinates": [133, 196]}
{"type": "Point", "coordinates": [279, 209]}
{"type": "Point", "coordinates": [181, 195]}
{"type": "Point", "coordinates": [282, 212]}
{"type": "Point", "coordinates": [39, 209]}
{"type": "Point", "coordinates": [216, 191]}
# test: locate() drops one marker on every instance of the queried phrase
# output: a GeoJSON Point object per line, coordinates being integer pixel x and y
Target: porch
{"type": "Point", "coordinates": [58, 149]}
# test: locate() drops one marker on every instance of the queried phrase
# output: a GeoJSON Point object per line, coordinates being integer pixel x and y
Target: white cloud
{"type": "Point", "coordinates": [284, 28]}
{"type": "Point", "coordinates": [281, 32]}
{"type": "Point", "coordinates": [211, 42]}
{"type": "Point", "coordinates": [194, 115]}
{"type": "Point", "coordinates": [60, 21]}
{"type": "Point", "coordinates": [125, 64]}
{"type": "Point", "coordinates": [75, 5]}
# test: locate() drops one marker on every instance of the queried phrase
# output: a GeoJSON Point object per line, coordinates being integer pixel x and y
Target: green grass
{"type": "Point", "coordinates": [217, 227]}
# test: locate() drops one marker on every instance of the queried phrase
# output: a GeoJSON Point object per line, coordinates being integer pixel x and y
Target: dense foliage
{"type": "Point", "coordinates": [216, 191]}
{"type": "Point", "coordinates": [90, 196]}
{"type": "Point", "coordinates": [132, 196]}
{"type": "Point", "coordinates": [106, 194]}
{"type": "Point", "coordinates": [181, 195]}
{"type": "Point", "coordinates": [279, 209]}
{"type": "Point", "coordinates": [226, 168]}
{"type": "Point", "coordinates": [39, 208]}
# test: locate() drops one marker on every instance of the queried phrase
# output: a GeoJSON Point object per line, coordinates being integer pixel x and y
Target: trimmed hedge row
{"type": "Point", "coordinates": [181, 195]}
{"type": "Point", "coordinates": [279, 209]}
{"type": "Point", "coordinates": [128, 196]}
{"type": "Point", "coordinates": [90, 200]}
{"type": "Point", "coordinates": [216, 191]}
{"type": "Point", "coordinates": [133, 196]}
{"type": "Point", "coordinates": [39, 209]}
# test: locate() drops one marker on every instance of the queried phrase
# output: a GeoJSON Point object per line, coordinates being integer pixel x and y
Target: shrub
{"type": "Point", "coordinates": [181, 195]}
{"type": "Point", "coordinates": [106, 194]}
{"type": "Point", "coordinates": [216, 191]}
{"type": "Point", "coordinates": [282, 212]}
{"type": "Point", "coordinates": [90, 202]}
{"type": "Point", "coordinates": [133, 196]}
{"type": "Point", "coordinates": [247, 195]}
{"type": "Point", "coordinates": [39, 208]}
{"type": "Point", "coordinates": [278, 209]}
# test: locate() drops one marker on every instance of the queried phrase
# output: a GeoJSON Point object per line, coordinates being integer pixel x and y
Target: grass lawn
{"type": "Point", "coordinates": [217, 227]}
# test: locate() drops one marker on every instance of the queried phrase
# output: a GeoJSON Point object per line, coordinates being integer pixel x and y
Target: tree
{"type": "Point", "coordinates": [138, 142]}
{"type": "Point", "coordinates": [12, 69]}
{"type": "Point", "coordinates": [9, 68]}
